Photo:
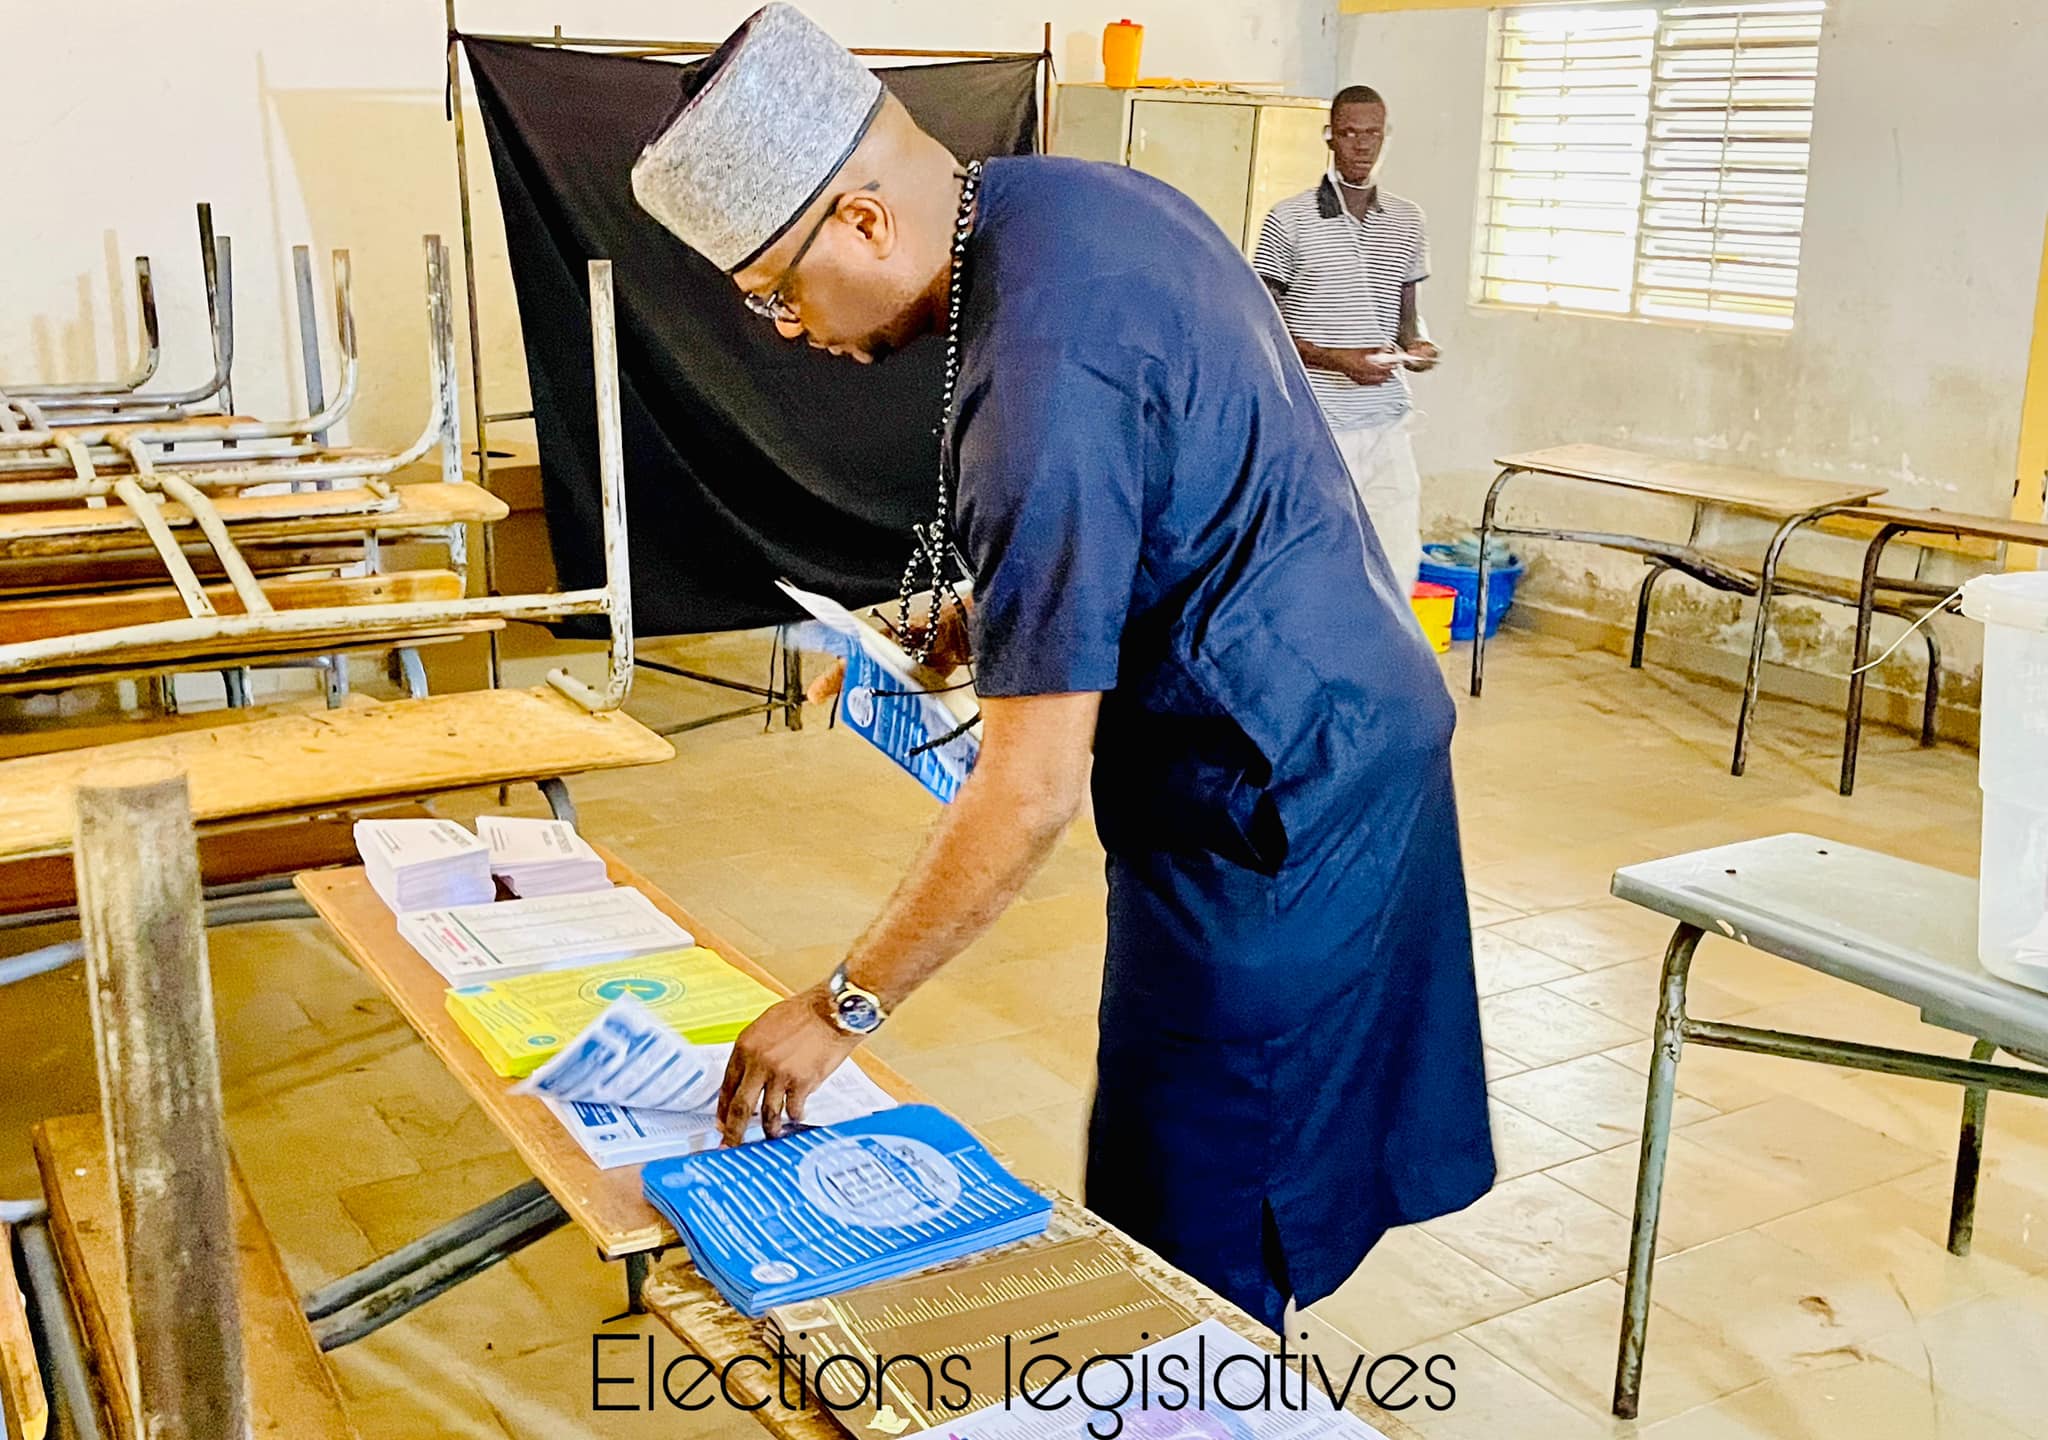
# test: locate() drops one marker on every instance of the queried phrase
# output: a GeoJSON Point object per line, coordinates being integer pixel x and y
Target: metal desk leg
{"type": "Point", "coordinates": [1479, 613]}
{"type": "Point", "coordinates": [1642, 1246]}
{"type": "Point", "coordinates": [556, 792]}
{"type": "Point", "coordinates": [792, 686]}
{"type": "Point", "coordinates": [1962, 1210]}
{"type": "Point", "coordinates": [637, 1266]}
{"type": "Point", "coordinates": [357, 1305]}
{"type": "Point", "coordinates": [1933, 701]}
{"type": "Point", "coordinates": [1766, 584]}
{"type": "Point", "coordinates": [1866, 599]}
{"type": "Point", "coordinates": [1658, 570]}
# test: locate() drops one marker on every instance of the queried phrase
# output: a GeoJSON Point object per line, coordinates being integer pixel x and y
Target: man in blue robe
{"type": "Point", "coordinates": [1176, 589]}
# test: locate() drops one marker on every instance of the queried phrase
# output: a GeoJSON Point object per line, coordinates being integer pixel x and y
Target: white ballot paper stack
{"type": "Point", "coordinates": [472, 944]}
{"type": "Point", "coordinates": [1207, 1383]}
{"type": "Point", "coordinates": [630, 1090]}
{"type": "Point", "coordinates": [421, 864]}
{"type": "Point", "coordinates": [541, 857]}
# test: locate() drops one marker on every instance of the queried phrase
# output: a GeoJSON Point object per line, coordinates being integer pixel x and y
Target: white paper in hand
{"type": "Point", "coordinates": [628, 1057]}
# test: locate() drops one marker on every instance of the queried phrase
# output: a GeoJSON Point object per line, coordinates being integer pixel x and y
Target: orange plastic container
{"type": "Point", "coordinates": [1122, 41]}
{"type": "Point", "coordinates": [1434, 606]}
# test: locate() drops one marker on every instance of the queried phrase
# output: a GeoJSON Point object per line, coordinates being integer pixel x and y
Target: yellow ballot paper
{"type": "Point", "coordinates": [520, 1022]}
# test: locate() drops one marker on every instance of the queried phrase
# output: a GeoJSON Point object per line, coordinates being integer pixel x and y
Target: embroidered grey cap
{"type": "Point", "coordinates": [763, 125]}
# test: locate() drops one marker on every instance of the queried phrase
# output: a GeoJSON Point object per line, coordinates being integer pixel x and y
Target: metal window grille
{"type": "Point", "coordinates": [1650, 160]}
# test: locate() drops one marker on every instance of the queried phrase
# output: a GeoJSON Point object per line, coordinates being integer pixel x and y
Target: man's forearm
{"type": "Point", "coordinates": [1319, 357]}
{"type": "Point", "coordinates": [988, 842]}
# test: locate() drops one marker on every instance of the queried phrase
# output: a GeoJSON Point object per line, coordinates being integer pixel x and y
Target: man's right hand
{"type": "Point", "coordinates": [1361, 367]}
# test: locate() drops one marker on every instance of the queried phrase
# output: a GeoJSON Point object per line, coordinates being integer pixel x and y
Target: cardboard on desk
{"type": "Point", "coordinates": [976, 1316]}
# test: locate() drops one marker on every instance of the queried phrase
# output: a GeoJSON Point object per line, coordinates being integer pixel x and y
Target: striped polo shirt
{"type": "Point", "coordinates": [1340, 280]}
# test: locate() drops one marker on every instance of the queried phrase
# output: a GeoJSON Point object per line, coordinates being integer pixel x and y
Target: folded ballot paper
{"type": "Point", "coordinates": [541, 857]}
{"type": "Point", "coordinates": [830, 1209]}
{"type": "Point", "coordinates": [630, 1090]}
{"type": "Point", "coordinates": [471, 943]}
{"type": "Point", "coordinates": [886, 704]}
{"type": "Point", "coordinates": [517, 1024]}
{"type": "Point", "coordinates": [421, 864]}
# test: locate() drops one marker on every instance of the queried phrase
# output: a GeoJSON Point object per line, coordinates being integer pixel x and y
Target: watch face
{"type": "Point", "coordinates": [858, 1013]}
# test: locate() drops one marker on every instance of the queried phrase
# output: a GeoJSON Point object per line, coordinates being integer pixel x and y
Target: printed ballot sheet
{"type": "Point", "coordinates": [885, 703]}
{"type": "Point", "coordinates": [475, 943]}
{"type": "Point", "coordinates": [619, 1135]}
{"type": "Point", "coordinates": [1207, 1383]}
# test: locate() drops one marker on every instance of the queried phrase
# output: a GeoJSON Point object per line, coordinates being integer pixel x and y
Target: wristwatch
{"type": "Point", "coordinates": [852, 1010]}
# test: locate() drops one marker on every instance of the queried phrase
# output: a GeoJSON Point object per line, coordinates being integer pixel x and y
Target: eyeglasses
{"type": "Point", "coordinates": [772, 306]}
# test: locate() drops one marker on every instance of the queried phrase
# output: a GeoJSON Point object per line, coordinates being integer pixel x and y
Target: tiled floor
{"type": "Point", "coordinates": [1804, 1291]}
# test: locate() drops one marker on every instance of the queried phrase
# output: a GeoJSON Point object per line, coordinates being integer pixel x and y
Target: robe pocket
{"type": "Point", "coordinates": [1189, 786]}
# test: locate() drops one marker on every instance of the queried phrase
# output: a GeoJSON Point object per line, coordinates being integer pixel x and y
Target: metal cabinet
{"type": "Point", "coordinates": [1235, 154]}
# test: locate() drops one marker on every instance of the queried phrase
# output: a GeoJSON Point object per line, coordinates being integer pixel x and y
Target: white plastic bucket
{"type": "Point", "coordinates": [2012, 770]}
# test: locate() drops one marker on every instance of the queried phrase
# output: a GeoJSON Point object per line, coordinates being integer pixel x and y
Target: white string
{"type": "Point", "coordinates": [1940, 605]}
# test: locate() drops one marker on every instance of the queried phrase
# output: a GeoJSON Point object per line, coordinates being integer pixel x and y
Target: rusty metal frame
{"type": "Point", "coordinates": [262, 623]}
{"type": "Point", "coordinates": [145, 367]}
{"type": "Point", "coordinates": [86, 403]}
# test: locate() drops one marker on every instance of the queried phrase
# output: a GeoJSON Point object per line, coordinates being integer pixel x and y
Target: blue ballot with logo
{"type": "Point", "coordinates": [828, 1209]}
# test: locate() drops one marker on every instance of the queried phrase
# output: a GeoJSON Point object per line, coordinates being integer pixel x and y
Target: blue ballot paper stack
{"type": "Point", "coordinates": [829, 1209]}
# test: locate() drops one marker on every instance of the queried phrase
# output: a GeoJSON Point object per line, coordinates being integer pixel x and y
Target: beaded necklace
{"type": "Point", "coordinates": [933, 553]}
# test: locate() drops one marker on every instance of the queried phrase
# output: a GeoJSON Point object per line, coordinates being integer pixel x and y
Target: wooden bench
{"type": "Point", "coordinates": [24, 1407]}
{"type": "Point", "coordinates": [292, 1392]}
{"type": "Point", "coordinates": [313, 762]}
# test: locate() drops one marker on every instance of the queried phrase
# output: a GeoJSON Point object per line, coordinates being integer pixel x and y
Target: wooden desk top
{"type": "Point", "coordinates": [1756, 492]}
{"type": "Point", "coordinates": [292, 1393]}
{"type": "Point", "coordinates": [607, 1204]}
{"type": "Point", "coordinates": [1956, 522]}
{"type": "Point", "coordinates": [312, 760]}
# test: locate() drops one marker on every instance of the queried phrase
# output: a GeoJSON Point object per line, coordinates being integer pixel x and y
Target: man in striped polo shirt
{"type": "Point", "coordinates": [1343, 260]}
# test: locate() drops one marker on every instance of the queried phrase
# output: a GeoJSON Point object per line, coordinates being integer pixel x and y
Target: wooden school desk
{"type": "Point", "coordinates": [607, 1204]}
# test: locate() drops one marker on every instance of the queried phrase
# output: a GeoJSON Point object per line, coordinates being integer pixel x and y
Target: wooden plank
{"type": "Point", "coordinates": [396, 751]}
{"type": "Point", "coordinates": [226, 857]}
{"type": "Point", "coordinates": [101, 569]}
{"type": "Point", "coordinates": [1934, 523]}
{"type": "Point", "coordinates": [607, 1204]}
{"type": "Point", "coordinates": [44, 616]}
{"type": "Point", "coordinates": [292, 1393]}
{"type": "Point", "coordinates": [1752, 491]}
{"type": "Point", "coordinates": [54, 738]}
{"type": "Point", "coordinates": [26, 1407]}
{"type": "Point", "coordinates": [254, 519]}
{"type": "Point", "coordinates": [144, 927]}
{"type": "Point", "coordinates": [223, 652]}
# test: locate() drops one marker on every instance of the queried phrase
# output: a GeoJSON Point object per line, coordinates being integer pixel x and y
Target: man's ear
{"type": "Point", "coordinates": [871, 218]}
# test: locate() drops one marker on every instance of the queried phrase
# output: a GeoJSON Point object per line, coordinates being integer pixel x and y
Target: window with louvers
{"type": "Point", "coordinates": [1650, 161]}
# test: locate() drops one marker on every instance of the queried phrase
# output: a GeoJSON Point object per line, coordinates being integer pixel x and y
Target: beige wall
{"type": "Point", "coordinates": [322, 123]}
{"type": "Point", "coordinates": [1907, 363]}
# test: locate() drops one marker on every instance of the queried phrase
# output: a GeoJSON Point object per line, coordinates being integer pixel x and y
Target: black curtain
{"type": "Point", "coordinates": [748, 458]}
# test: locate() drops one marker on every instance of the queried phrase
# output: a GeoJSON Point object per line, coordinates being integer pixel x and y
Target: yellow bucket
{"type": "Point", "coordinates": [1434, 605]}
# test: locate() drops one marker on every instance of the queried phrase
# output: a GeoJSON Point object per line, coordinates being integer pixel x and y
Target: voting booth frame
{"type": "Point", "coordinates": [787, 695]}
